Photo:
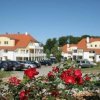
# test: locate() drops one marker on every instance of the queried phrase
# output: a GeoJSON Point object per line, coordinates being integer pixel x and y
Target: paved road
{"type": "Point", "coordinates": [42, 71]}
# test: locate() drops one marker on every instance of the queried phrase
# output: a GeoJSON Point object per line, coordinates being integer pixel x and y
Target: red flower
{"type": "Point", "coordinates": [87, 78]}
{"type": "Point", "coordinates": [78, 73]}
{"type": "Point", "coordinates": [55, 69]}
{"type": "Point", "coordinates": [51, 74]}
{"type": "Point", "coordinates": [14, 81]}
{"type": "Point", "coordinates": [69, 80]}
{"type": "Point", "coordinates": [65, 73]}
{"type": "Point", "coordinates": [55, 93]}
{"type": "Point", "coordinates": [23, 95]}
{"type": "Point", "coordinates": [79, 80]}
{"type": "Point", "coordinates": [31, 72]}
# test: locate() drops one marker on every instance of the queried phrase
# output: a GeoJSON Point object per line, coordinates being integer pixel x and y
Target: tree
{"type": "Point", "coordinates": [50, 44]}
{"type": "Point", "coordinates": [56, 52]}
{"type": "Point", "coordinates": [48, 53]}
{"type": "Point", "coordinates": [62, 40]}
{"type": "Point", "coordinates": [73, 40]}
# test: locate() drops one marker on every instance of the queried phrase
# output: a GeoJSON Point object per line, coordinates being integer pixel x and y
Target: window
{"type": "Point", "coordinates": [75, 51]}
{"type": "Point", "coordinates": [26, 51]}
{"type": "Point", "coordinates": [0, 42]}
{"type": "Point", "coordinates": [95, 45]}
{"type": "Point", "coordinates": [91, 51]}
{"type": "Point", "coordinates": [5, 42]}
{"type": "Point", "coordinates": [22, 51]}
{"type": "Point", "coordinates": [83, 61]}
{"type": "Point", "coordinates": [91, 45]}
{"type": "Point", "coordinates": [99, 56]}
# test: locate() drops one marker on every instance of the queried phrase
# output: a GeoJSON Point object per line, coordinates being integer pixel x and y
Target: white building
{"type": "Point", "coordinates": [87, 48]}
{"type": "Point", "coordinates": [20, 47]}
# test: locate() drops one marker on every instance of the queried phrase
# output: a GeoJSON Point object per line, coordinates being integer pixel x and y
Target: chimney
{"type": "Point", "coordinates": [18, 32]}
{"type": "Point", "coordinates": [6, 32]}
{"type": "Point", "coordinates": [87, 40]}
{"type": "Point", "coordinates": [26, 33]}
{"type": "Point", "coordinates": [67, 45]}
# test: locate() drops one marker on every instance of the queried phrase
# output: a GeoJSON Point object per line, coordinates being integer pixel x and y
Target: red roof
{"type": "Point", "coordinates": [64, 48]}
{"type": "Point", "coordinates": [94, 39]}
{"type": "Point", "coordinates": [21, 40]}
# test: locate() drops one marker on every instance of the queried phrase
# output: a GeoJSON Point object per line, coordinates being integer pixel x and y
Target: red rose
{"type": "Point", "coordinates": [23, 95]}
{"type": "Point", "coordinates": [14, 81]}
{"type": "Point", "coordinates": [69, 80]}
{"type": "Point", "coordinates": [51, 74]}
{"type": "Point", "coordinates": [78, 72]}
{"type": "Point", "coordinates": [55, 93]}
{"type": "Point", "coordinates": [55, 69]}
{"type": "Point", "coordinates": [87, 78]}
{"type": "Point", "coordinates": [31, 72]}
{"type": "Point", "coordinates": [65, 73]}
{"type": "Point", "coordinates": [79, 80]}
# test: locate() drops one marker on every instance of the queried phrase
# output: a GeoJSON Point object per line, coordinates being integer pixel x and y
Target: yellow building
{"type": "Point", "coordinates": [20, 47]}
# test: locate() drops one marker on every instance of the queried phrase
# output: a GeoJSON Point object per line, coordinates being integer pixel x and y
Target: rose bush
{"type": "Point", "coordinates": [60, 83]}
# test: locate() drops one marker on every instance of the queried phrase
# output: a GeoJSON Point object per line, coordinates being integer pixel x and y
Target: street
{"type": "Point", "coordinates": [42, 71]}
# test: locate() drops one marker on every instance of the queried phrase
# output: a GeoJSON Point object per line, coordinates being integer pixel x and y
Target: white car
{"type": "Point", "coordinates": [28, 64]}
{"type": "Point", "coordinates": [93, 63]}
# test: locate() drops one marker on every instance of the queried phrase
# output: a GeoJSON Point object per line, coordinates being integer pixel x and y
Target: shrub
{"type": "Point", "coordinates": [60, 84]}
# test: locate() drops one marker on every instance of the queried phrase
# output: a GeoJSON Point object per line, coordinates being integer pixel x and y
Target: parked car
{"type": "Point", "coordinates": [16, 65]}
{"type": "Point", "coordinates": [46, 62]}
{"type": "Point", "coordinates": [84, 64]}
{"type": "Point", "coordinates": [28, 64]}
{"type": "Point", "coordinates": [5, 66]}
{"type": "Point", "coordinates": [53, 60]}
{"type": "Point", "coordinates": [38, 65]}
{"type": "Point", "coordinates": [93, 63]}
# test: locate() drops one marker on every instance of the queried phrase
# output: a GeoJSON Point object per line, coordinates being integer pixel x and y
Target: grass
{"type": "Point", "coordinates": [4, 74]}
{"type": "Point", "coordinates": [95, 69]}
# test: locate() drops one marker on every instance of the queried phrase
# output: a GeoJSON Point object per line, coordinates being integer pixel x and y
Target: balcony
{"type": "Point", "coordinates": [21, 54]}
{"type": "Point", "coordinates": [35, 47]}
{"type": "Point", "coordinates": [37, 54]}
{"type": "Point", "coordinates": [29, 54]}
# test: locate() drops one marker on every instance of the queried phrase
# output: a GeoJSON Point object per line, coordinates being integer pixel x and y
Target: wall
{"type": "Point", "coordinates": [92, 45]}
{"type": "Point", "coordinates": [97, 58]}
{"type": "Point", "coordinates": [10, 42]}
{"type": "Point", "coordinates": [10, 55]}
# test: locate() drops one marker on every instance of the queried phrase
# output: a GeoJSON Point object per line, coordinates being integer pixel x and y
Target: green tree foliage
{"type": "Point", "coordinates": [62, 40]}
{"type": "Point", "coordinates": [56, 52]}
{"type": "Point", "coordinates": [73, 40]}
{"type": "Point", "coordinates": [84, 36]}
{"type": "Point", "coordinates": [47, 53]}
{"type": "Point", "coordinates": [50, 44]}
{"type": "Point", "coordinates": [68, 39]}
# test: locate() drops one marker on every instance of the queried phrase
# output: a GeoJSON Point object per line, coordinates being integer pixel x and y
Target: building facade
{"type": "Point", "coordinates": [20, 47]}
{"type": "Point", "coordinates": [87, 48]}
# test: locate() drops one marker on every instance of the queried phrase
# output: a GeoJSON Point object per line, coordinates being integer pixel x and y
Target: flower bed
{"type": "Point", "coordinates": [67, 83]}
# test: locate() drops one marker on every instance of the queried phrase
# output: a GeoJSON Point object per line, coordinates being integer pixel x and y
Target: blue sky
{"type": "Point", "coordinates": [45, 19]}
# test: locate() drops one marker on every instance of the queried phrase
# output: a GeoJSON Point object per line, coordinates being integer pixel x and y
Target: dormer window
{"type": "Point", "coordinates": [5, 42]}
